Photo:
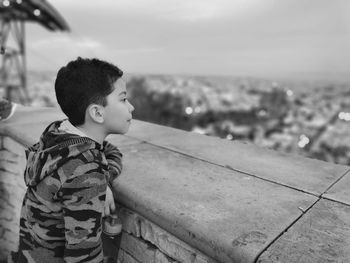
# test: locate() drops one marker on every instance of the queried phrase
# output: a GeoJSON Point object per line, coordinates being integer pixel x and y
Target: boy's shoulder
{"type": "Point", "coordinates": [59, 157]}
{"type": "Point", "coordinates": [82, 158]}
{"type": "Point", "coordinates": [77, 148]}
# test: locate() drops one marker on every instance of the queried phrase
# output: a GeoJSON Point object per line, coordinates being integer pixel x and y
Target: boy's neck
{"type": "Point", "coordinates": [93, 132]}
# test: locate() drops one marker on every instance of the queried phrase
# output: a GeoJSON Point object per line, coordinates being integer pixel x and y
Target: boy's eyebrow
{"type": "Point", "coordinates": [122, 93]}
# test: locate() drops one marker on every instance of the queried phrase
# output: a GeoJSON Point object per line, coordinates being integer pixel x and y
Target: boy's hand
{"type": "Point", "coordinates": [109, 203]}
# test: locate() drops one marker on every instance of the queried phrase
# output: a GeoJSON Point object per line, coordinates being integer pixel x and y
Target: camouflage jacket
{"type": "Point", "coordinates": [66, 177]}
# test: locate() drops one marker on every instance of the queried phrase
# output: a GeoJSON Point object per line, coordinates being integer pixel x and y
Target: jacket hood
{"type": "Point", "coordinates": [54, 148]}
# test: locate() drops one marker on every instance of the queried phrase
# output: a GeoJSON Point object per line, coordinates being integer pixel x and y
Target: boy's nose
{"type": "Point", "coordinates": [131, 107]}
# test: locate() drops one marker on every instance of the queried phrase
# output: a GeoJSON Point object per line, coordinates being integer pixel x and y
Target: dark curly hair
{"type": "Point", "coordinates": [83, 82]}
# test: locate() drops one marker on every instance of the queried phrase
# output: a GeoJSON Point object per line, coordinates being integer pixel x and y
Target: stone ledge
{"type": "Point", "coordinates": [197, 202]}
{"type": "Point", "coordinates": [304, 174]}
{"type": "Point", "coordinates": [206, 191]}
{"type": "Point", "coordinates": [340, 191]}
{"type": "Point", "coordinates": [322, 235]}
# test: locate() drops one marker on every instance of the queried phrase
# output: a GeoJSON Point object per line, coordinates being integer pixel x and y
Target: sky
{"type": "Point", "coordinates": [273, 38]}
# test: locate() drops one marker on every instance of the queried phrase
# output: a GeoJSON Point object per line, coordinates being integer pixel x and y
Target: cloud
{"type": "Point", "coordinates": [65, 41]}
{"type": "Point", "coordinates": [54, 51]}
{"type": "Point", "coordinates": [174, 10]}
{"type": "Point", "coordinates": [138, 50]}
{"type": "Point", "coordinates": [204, 10]}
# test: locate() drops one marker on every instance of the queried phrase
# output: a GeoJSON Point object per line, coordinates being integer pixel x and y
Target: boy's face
{"type": "Point", "coordinates": [118, 112]}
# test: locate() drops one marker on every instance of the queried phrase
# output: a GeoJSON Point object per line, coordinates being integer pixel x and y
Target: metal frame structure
{"type": "Point", "coordinates": [13, 78]}
{"type": "Point", "coordinates": [13, 15]}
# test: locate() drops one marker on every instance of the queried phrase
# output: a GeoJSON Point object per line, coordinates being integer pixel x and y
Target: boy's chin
{"type": "Point", "coordinates": [120, 131]}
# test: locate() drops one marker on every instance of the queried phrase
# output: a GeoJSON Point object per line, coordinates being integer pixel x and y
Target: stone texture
{"type": "Point", "coordinates": [140, 250]}
{"type": "Point", "coordinates": [131, 221]}
{"type": "Point", "coordinates": [167, 243]}
{"type": "Point", "coordinates": [11, 146]}
{"type": "Point", "coordinates": [12, 189]}
{"type": "Point", "coordinates": [26, 134]}
{"type": "Point", "coordinates": [161, 258]}
{"type": "Point", "coordinates": [122, 140]}
{"type": "Point", "coordinates": [6, 155]}
{"type": "Point", "coordinates": [321, 235]}
{"type": "Point", "coordinates": [341, 190]}
{"type": "Point", "coordinates": [10, 167]}
{"type": "Point", "coordinates": [302, 173]}
{"type": "Point", "coordinates": [226, 214]}
{"type": "Point", "coordinates": [170, 245]}
{"type": "Point", "coordinates": [127, 258]}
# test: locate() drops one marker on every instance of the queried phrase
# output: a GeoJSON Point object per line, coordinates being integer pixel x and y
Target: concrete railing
{"type": "Point", "coordinates": [186, 197]}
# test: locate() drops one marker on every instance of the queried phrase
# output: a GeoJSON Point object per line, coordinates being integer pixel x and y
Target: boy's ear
{"type": "Point", "coordinates": [96, 113]}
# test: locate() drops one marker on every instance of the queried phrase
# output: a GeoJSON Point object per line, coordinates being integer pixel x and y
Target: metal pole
{"type": "Point", "coordinates": [24, 60]}
{"type": "Point", "coordinates": [14, 61]}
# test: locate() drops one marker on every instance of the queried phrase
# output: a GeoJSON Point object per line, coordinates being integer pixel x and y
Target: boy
{"type": "Point", "coordinates": [68, 173]}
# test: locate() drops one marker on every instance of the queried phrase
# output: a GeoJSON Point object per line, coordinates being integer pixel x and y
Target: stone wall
{"type": "Point", "coordinates": [12, 189]}
{"type": "Point", "coordinates": [144, 241]}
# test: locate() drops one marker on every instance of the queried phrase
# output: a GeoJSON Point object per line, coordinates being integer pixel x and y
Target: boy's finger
{"type": "Point", "coordinates": [112, 206]}
{"type": "Point", "coordinates": [107, 212]}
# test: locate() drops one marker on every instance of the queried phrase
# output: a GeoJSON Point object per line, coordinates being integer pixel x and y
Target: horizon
{"type": "Point", "coordinates": [324, 80]}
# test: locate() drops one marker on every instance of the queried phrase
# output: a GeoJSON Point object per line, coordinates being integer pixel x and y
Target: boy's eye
{"type": "Point", "coordinates": [124, 99]}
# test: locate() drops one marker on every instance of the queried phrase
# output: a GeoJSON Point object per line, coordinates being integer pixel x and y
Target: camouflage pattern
{"type": "Point", "coordinates": [62, 210]}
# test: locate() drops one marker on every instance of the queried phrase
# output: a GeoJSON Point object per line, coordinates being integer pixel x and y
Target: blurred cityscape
{"type": "Point", "coordinates": [305, 118]}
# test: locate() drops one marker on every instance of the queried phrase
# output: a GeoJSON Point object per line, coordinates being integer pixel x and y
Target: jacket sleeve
{"type": "Point", "coordinates": [83, 195]}
{"type": "Point", "coordinates": [114, 159]}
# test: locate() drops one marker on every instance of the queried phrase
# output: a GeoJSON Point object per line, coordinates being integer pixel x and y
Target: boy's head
{"type": "Point", "coordinates": [85, 92]}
